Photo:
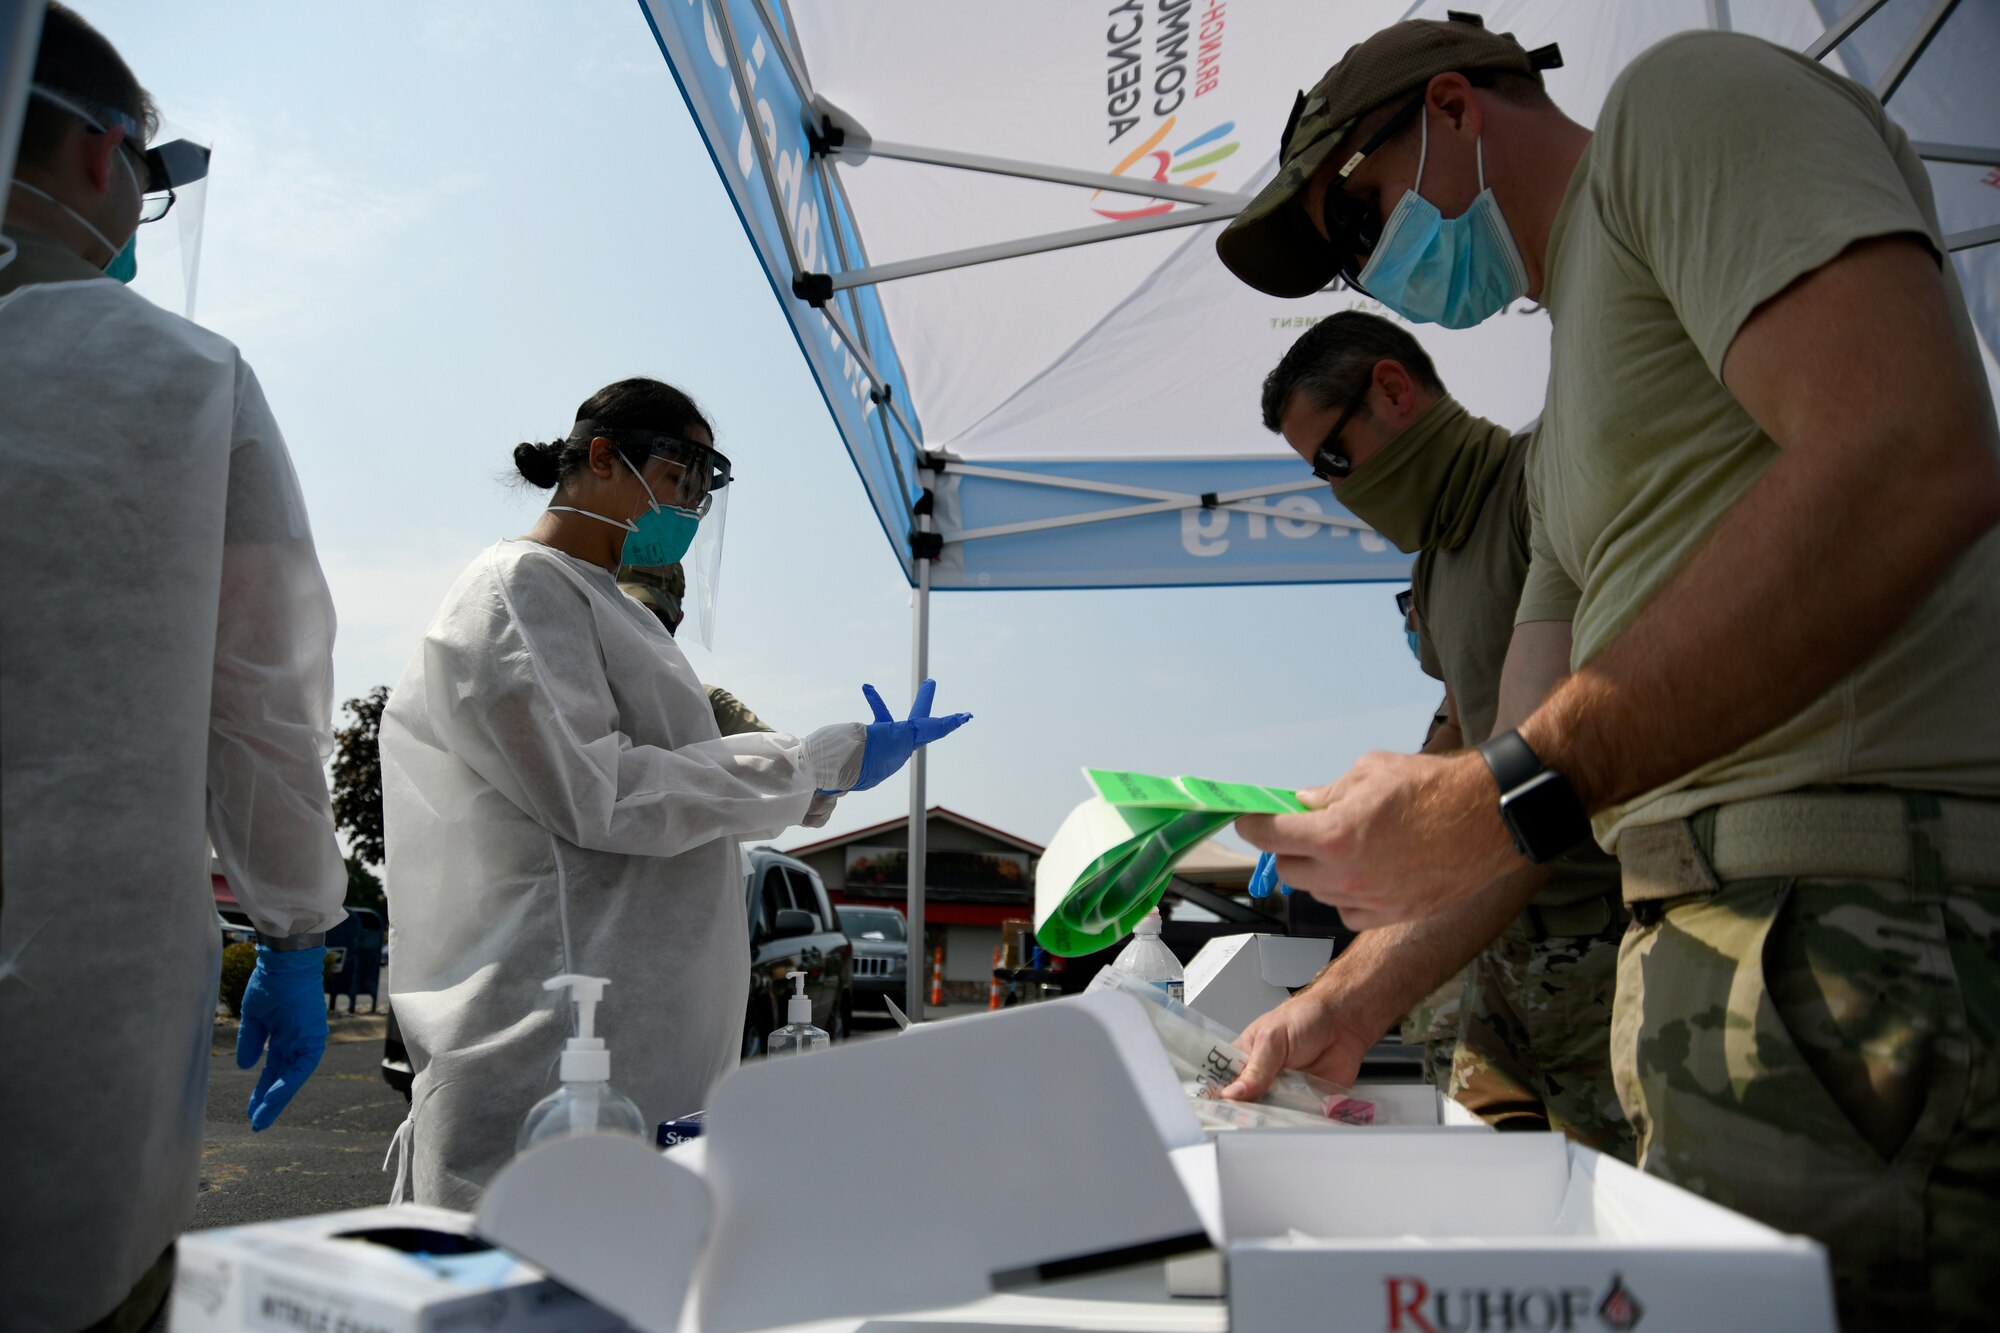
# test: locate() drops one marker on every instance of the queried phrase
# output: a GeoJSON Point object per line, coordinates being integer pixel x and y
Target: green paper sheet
{"type": "Point", "coordinates": [1112, 859]}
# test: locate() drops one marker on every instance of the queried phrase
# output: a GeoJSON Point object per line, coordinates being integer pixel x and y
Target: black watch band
{"type": "Point", "coordinates": [1512, 762]}
{"type": "Point", "coordinates": [1539, 807]}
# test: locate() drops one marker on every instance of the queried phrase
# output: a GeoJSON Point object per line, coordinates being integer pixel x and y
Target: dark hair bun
{"type": "Point", "coordinates": [539, 464]}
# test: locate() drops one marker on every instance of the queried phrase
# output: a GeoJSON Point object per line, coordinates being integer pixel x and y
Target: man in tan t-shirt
{"type": "Point", "coordinates": [1765, 485]}
{"type": "Point", "coordinates": [1357, 395]}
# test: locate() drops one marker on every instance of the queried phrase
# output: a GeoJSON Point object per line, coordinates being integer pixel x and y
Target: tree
{"type": "Point", "coordinates": [364, 888]}
{"type": "Point", "coordinates": [357, 780]}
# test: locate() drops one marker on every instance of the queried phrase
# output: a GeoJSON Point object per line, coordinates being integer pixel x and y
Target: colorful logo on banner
{"type": "Point", "coordinates": [1199, 154]}
{"type": "Point", "coordinates": [1158, 64]}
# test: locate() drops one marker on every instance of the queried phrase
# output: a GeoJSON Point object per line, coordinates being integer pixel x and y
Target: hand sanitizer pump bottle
{"type": "Point", "coordinates": [798, 1036]}
{"type": "Point", "coordinates": [586, 1102]}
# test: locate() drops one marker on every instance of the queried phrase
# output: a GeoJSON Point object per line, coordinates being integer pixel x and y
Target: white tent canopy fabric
{"type": "Point", "coordinates": [1095, 406]}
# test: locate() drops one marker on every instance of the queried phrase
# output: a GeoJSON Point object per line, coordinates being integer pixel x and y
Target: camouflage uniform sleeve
{"type": "Point", "coordinates": [732, 716]}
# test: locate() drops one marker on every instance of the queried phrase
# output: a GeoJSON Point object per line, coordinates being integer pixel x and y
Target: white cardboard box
{"type": "Point", "coordinates": [920, 1172]}
{"type": "Point", "coordinates": [1408, 1231]}
{"type": "Point", "coordinates": [1236, 979]}
{"type": "Point", "coordinates": [360, 1272]}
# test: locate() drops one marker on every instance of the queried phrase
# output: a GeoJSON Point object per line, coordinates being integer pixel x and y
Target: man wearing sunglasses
{"type": "Point", "coordinates": [1361, 403]}
{"type": "Point", "coordinates": [182, 704]}
{"type": "Point", "coordinates": [1764, 493]}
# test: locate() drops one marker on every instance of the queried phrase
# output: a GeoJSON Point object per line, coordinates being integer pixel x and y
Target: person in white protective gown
{"type": "Point", "coordinates": [165, 683]}
{"type": "Point", "coordinates": [557, 799]}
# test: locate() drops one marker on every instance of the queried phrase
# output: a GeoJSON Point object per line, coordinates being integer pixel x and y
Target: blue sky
{"type": "Point", "coordinates": [435, 229]}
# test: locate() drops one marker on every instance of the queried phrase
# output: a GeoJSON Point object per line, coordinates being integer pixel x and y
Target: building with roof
{"type": "Point", "coordinates": [977, 878]}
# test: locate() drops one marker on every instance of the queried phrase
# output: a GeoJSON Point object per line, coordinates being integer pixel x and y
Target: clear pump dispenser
{"type": "Point", "coordinates": [798, 1036]}
{"type": "Point", "coordinates": [586, 1103]}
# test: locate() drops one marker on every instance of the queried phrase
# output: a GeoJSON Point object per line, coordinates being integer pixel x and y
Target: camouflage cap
{"type": "Point", "coordinates": [658, 588]}
{"type": "Point", "coordinates": [1272, 245]}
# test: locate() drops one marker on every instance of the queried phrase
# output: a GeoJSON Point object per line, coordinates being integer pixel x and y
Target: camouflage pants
{"type": "Point", "coordinates": [1534, 1048]}
{"type": "Point", "coordinates": [1824, 1055]}
{"type": "Point", "coordinates": [1433, 1024]}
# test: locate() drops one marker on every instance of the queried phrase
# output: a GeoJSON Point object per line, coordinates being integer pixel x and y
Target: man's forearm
{"type": "Point", "coordinates": [1387, 971]}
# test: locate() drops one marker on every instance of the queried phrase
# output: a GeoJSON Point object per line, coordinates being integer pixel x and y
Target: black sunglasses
{"type": "Point", "coordinates": [1404, 599]}
{"type": "Point", "coordinates": [1330, 461]}
{"type": "Point", "coordinates": [1352, 226]}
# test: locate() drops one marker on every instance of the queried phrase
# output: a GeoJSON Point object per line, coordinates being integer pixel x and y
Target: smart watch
{"type": "Point", "coordinates": [1537, 803]}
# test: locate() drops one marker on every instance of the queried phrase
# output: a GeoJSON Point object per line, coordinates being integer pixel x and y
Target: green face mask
{"type": "Point", "coordinates": [1423, 491]}
{"type": "Point", "coordinates": [124, 265]}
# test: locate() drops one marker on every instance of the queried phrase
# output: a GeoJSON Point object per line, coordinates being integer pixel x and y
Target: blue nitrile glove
{"type": "Point", "coordinates": [891, 743]}
{"type": "Point", "coordinates": [285, 1003]}
{"type": "Point", "coordinates": [1265, 877]}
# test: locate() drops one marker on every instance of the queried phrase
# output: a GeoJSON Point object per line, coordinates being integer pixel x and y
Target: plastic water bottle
{"type": "Point", "coordinates": [798, 1036]}
{"type": "Point", "coordinates": [1148, 959]}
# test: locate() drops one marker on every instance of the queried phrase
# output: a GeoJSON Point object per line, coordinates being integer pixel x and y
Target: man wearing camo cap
{"type": "Point", "coordinates": [662, 590]}
{"type": "Point", "coordinates": [1761, 616]}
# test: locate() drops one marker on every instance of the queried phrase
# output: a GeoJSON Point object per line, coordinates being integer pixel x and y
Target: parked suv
{"type": "Point", "coordinates": [793, 928]}
{"type": "Point", "coordinates": [881, 941]}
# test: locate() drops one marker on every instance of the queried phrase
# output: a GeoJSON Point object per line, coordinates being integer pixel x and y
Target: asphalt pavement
{"type": "Point", "coordinates": [324, 1153]}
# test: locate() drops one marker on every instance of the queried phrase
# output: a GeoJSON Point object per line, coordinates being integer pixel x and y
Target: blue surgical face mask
{"type": "Point", "coordinates": [1432, 269]}
{"type": "Point", "coordinates": [124, 265]}
{"type": "Point", "coordinates": [1416, 644]}
{"type": "Point", "coordinates": [660, 535]}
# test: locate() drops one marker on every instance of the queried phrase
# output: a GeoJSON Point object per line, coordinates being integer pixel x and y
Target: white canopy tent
{"type": "Point", "coordinates": [992, 229]}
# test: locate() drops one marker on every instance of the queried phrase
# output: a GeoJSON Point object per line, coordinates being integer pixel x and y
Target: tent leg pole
{"type": "Point", "coordinates": [917, 967]}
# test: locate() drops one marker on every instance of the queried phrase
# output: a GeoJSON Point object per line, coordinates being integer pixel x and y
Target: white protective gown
{"type": "Point", "coordinates": [165, 681]}
{"type": "Point", "coordinates": [557, 799]}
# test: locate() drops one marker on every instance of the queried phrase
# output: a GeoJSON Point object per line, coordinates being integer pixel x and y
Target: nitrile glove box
{"type": "Point", "coordinates": [402, 1269]}
{"type": "Point", "coordinates": [1399, 1231]}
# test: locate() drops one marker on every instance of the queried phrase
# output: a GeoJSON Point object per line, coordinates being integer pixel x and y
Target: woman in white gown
{"type": "Point", "coordinates": [557, 799]}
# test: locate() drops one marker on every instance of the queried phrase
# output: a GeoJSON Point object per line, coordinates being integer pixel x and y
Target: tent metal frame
{"type": "Point", "coordinates": [1205, 206]}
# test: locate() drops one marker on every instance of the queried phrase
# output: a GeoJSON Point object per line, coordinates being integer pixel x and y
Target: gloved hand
{"type": "Point", "coordinates": [891, 743]}
{"type": "Point", "coordinates": [285, 1003]}
{"type": "Point", "coordinates": [1265, 877]}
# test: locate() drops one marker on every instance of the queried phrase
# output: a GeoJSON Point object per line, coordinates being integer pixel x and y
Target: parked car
{"type": "Point", "coordinates": [881, 940]}
{"type": "Point", "coordinates": [793, 928]}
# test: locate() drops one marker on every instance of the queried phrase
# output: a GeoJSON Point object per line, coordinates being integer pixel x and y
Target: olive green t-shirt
{"type": "Point", "coordinates": [1722, 170]}
{"type": "Point", "coordinates": [1465, 598]}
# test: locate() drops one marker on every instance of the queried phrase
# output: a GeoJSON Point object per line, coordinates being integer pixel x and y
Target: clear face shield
{"type": "Point", "coordinates": [695, 490]}
{"type": "Point", "coordinates": [169, 254]}
{"type": "Point", "coordinates": [172, 174]}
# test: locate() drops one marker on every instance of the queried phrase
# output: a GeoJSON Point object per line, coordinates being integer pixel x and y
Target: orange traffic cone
{"type": "Point", "coordinates": [937, 975]}
{"type": "Point", "coordinates": [994, 992]}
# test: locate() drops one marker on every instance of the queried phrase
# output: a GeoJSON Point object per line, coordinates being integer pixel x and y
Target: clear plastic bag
{"type": "Point", "coordinates": [1205, 1055]}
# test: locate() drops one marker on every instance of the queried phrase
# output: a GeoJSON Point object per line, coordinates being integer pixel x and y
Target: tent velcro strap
{"type": "Point", "coordinates": [926, 545]}
{"type": "Point", "coordinates": [882, 395]}
{"type": "Point", "coordinates": [926, 503]}
{"type": "Point", "coordinates": [815, 289]}
{"type": "Point", "coordinates": [1208, 500]}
